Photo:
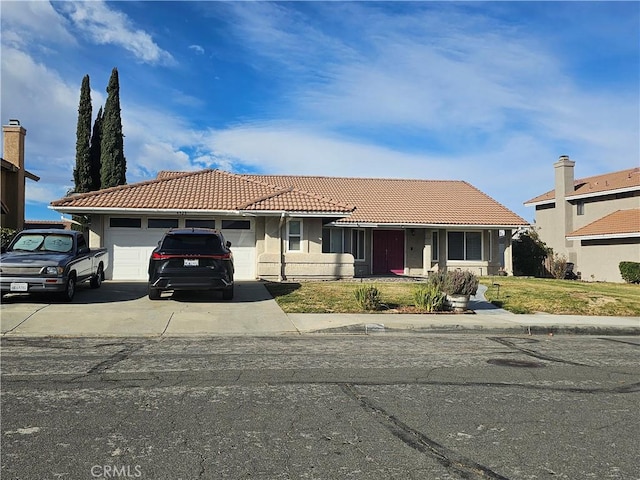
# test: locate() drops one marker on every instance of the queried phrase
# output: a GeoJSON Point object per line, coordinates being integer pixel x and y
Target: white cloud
{"type": "Point", "coordinates": [197, 49]}
{"type": "Point", "coordinates": [106, 26]}
{"type": "Point", "coordinates": [26, 23]}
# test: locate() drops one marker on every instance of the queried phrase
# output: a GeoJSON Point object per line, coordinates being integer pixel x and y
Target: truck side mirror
{"type": "Point", "coordinates": [228, 244]}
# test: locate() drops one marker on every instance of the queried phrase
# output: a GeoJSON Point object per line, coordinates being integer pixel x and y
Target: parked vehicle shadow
{"type": "Point", "coordinates": [109, 291]}
{"type": "Point", "coordinates": [113, 291]}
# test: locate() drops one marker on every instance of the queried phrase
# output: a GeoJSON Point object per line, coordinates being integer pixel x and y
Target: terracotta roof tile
{"type": "Point", "coordinates": [202, 190]}
{"type": "Point", "coordinates": [597, 184]}
{"type": "Point", "coordinates": [404, 201]}
{"type": "Point", "coordinates": [619, 223]}
{"type": "Point", "coordinates": [356, 200]}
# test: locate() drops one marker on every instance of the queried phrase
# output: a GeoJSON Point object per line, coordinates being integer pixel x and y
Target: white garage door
{"type": "Point", "coordinates": [130, 248]}
{"type": "Point", "coordinates": [244, 252]}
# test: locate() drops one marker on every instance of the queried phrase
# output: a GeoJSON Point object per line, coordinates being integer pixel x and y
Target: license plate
{"type": "Point", "coordinates": [19, 287]}
{"type": "Point", "coordinates": [191, 262]}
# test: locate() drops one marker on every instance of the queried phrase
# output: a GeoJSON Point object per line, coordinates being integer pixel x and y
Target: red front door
{"type": "Point", "coordinates": [388, 252]}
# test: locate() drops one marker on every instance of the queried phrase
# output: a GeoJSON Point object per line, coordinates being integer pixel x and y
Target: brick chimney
{"type": "Point", "coordinates": [14, 184]}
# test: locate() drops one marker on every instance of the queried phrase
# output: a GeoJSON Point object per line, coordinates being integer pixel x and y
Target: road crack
{"type": "Point", "coordinates": [415, 439]}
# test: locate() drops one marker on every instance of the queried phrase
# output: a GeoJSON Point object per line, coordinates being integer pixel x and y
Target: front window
{"type": "Point", "coordinates": [464, 245]}
{"type": "Point", "coordinates": [580, 208]}
{"type": "Point", "coordinates": [434, 246]}
{"type": "Point", "coordinates": [332, 240]}
{"type": "Point", "coordinates": [357, 244]}
{"type": "Point", "coordinates": [294, 235]}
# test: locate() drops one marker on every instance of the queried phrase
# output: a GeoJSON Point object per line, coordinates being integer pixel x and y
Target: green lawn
{"type": "Point", "coordinates": [518, 295]}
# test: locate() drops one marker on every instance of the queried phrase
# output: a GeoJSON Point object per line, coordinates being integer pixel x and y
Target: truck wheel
{"type": "Point", "coordinates": [227, 293]}
{"type": "Point", "coordinates": [96, 280]}
{"type": "Point", "coordinates": [69, 289]}
{"type": "Point", "coordinates": [154, 294]}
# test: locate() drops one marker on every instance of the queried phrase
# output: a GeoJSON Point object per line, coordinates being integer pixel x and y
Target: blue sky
{"type": "Point", "coordinates": [491, 93]}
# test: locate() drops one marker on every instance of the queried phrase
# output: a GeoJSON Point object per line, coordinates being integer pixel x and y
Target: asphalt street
{"type": "Point", "coordinates": [376, 406]}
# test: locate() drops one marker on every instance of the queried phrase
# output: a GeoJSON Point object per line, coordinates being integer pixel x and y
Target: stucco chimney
{"type": "Point", "coordinates": [13, 149]}
{"type": "Point", "coordinates": [564, 177]}
{"type": "Point", "coordinates": [564, 186]}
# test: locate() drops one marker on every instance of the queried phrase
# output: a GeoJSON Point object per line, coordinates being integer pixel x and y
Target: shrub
{"type": "Point", "coordinates": [429, 298]}
{"type": "Point", "coordinates": [455, 282]}
{"type": "Point", "coordinates": [558, 266]}
{"type": "Point", "coordinates": [529, 254]}
{"type": "Point", "coordinates": [368, 297]}
{"type": "Point", "coordinates": [630, 271]}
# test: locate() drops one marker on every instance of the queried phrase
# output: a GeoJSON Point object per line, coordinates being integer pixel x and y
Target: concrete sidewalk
{"type": "Point", "coordinates": [121, 309]}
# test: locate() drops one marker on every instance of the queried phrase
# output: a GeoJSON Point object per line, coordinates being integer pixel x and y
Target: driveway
{"type": "Point", "coordinates": [123, 309]}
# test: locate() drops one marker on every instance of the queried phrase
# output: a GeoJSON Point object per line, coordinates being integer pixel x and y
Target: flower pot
{"type": "Point", "coordinates": [458, 303]}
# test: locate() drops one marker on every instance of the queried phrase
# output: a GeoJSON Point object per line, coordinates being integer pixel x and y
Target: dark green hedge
{"type": "Point", "coordinates": [630, 271]}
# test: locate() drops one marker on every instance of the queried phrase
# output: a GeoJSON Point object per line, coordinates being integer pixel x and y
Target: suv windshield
{"type": "Point", "coordinates": [193, 243]}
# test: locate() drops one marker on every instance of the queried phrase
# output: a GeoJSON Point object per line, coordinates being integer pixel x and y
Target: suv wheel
{"type": "Point", "coordinates": [154, 293]}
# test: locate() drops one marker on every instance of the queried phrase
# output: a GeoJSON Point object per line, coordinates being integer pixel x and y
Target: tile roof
{"type": "Point", "coordinates": [208, 190]}
{"type": "Point", "coordinates": [355, 200]}
{"type": "Point", "coordinates": [621, 223]}
{"type": "Point", "coordinates": [607, 182]}
{"type": "Point", "coordinates": [403, 201]}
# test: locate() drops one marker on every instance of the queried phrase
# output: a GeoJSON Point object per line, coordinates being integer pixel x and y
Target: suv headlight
{"type": "Point", "coordinates": [52, 270]}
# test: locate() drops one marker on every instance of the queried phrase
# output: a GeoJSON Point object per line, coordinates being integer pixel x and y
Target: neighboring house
{"type": "Point", "coordinates": [13, 176]}
{"type": "Point", "coordinates": [594, 221]}
{"type": "Point", "coordinates": [299, 227]}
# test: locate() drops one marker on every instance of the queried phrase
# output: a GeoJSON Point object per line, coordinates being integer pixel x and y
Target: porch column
{"type": "Point", "coordinates": [508, 258]}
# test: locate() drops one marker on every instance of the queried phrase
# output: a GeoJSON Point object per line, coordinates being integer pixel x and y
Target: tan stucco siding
{"type": "Point", "coordinates": [598, 260]}
{"type": "Point", "coordinates": [306, 266]}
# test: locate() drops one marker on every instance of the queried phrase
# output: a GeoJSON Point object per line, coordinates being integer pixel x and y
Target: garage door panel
{"type": "Point", "coordinates": [130, 251]}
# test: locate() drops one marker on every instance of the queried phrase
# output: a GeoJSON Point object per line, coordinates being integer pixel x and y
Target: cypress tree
{"type": "Point", "coordinates": [94, 152]}
{"type": "Point", "coordinates": [113, 165]}
{"type": "Point", "coordinates": [82, 171]}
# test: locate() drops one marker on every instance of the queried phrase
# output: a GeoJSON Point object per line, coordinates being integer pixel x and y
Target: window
{"type": "Point", "coordinates": [162, 223]}
{"type": "Point", "coordinates": [193, 223]}
{"type": "Point", "coordinates": [332, 240]}
{"type": "Point", "coordinates": [580, 208]}
{"type": "Point", "coordinates": [82, 244]}
{"type": "Point", "coordinates": [122, 222]}
{"type": "Point", "coordinates": [294, 235]}
{"type": "Point", "coordinates": [236, 224]}
{"type": "Point", "coordinates": [434, 246]}
{"type": "Point", "coordinates": [357, 244]}
{"type": "Point", "coordinates": [464, 245]}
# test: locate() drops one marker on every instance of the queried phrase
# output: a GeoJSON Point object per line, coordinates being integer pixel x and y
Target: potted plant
{"type": "Point", "coordinates": [458, 285]}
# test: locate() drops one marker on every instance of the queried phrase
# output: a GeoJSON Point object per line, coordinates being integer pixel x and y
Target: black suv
{"type": "Point", "coordinates": [191, 259]}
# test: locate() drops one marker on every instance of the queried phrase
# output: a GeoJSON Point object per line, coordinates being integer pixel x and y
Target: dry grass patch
{"type": "Point", "coordinates": [516, 294]}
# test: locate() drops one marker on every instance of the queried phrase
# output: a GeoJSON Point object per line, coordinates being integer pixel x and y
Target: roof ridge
{"type": "Point", "coordinates": [330, 177]}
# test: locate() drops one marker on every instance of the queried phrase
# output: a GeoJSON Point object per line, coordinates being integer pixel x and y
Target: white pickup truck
{"type": "Point", "coordinates": [50, 260]}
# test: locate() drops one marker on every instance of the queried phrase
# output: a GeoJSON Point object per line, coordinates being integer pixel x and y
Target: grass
{"type": "Point", "coordinates": [516, 294]}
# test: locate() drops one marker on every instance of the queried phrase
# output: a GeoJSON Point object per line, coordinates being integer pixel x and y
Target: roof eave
{"type": "Point", "coordinates": [604, 236]}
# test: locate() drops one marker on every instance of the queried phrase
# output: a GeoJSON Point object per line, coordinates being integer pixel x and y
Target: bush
{"type": "Point", "coordinates": [630, 271]}
{"type": "Point", "coordinates": [529, 254]}
{"type": "Point", "coordinates": [429, 298]}
{"type": "Point", "coordinates": [455, 282]}
{"type": "Point", "coordinates": [368, 297]}
{"type": "Point", "coordinates": [558, 266]}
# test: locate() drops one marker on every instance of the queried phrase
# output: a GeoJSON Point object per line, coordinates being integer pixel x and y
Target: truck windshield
{"type": "Point", "coordinates": [44, 243]}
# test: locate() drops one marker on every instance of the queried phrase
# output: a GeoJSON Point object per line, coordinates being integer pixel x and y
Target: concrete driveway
{"type": "Point", "coordinates": [123, 309]}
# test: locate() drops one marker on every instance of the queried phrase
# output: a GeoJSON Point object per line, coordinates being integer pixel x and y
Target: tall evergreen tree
{"type": "Point", "coordinates": [82, 171]}
{"type": "Point", "coordinates": [94, 152]}
{"type": "Point", "coordinates": [113, 165]}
